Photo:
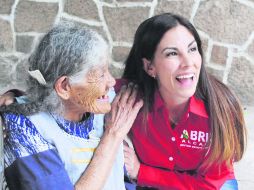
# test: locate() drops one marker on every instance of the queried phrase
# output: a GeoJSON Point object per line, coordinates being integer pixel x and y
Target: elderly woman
{"type": "Point", "coordinates": [54, 139]}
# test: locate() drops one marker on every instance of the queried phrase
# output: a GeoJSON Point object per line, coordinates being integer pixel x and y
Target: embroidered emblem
{"type": "Point", "coordinates": [185, 135]}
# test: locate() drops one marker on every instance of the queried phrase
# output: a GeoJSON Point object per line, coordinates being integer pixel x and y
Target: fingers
{"type": "Point", "coordinates": [131, 161]}
{"type": "Point", "coordinates": [111, 116]}
{"type": "Point", "coordinates": [1, 101]}
{"type": "Point", "coordinates": [123, 111]}
{"type": "Point", "coordinates": [125, 143]}
{"type": "Point", "coordinates": [129, 152]}
{"type": "Point", "coordinates": [6, 99]}
{"type": "Point", "coordinates": [126, 95]}
{"type": "Point", "coordinates": [118, 96]}
{"type": "Point", "coordinates": [128, 158]}
{"type": "Point", "coordinates": [125, 99]}
{"type": "Point", "coordinates": [9, 101]}
{"type": "Point", "coordinates": [132, 98]}
{"type": "Point", "coordinates": [115, 103]}
{"type": "Point", "coordinates": [138, 105]}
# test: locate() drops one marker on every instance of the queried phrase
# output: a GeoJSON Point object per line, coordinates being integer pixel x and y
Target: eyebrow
{"type": "Point", "coordinates": [173, 48]}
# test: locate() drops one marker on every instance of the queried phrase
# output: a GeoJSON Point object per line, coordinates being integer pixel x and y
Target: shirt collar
{"type": "Point", "coordinates": [196, 106]}
{"type": "Point", "coordinates": [80, 129]}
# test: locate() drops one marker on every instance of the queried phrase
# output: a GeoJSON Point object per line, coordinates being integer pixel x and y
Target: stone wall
{"type": "Point", "coordinates": [226, 28]}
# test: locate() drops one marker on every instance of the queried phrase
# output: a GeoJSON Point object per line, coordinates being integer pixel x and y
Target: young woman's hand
{"type": "Point", "coordinates": [123, 112]}
{"type": "Point", "coordinates": [131, 162]}
{"type": "Point", "coordinates": [7, 98]}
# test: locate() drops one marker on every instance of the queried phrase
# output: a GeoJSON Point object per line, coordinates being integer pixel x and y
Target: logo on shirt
{"type": "Point", "coordinates": [185, 134]}
{"type": "Point", "coordinates": [193, 139]}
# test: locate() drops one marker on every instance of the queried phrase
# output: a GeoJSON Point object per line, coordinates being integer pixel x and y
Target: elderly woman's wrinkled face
{"type": "Point", "coordinates": [91, 95]}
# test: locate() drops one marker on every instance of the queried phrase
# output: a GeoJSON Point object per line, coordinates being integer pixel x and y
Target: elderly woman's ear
{"type": "Point", "coordinates": [62, 87]}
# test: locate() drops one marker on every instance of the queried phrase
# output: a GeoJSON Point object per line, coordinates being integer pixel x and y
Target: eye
{"type": "Point", "coordinates": [97, 77]}
{"type": "Point", "coordinates": [102, 75]}
{"type": "Point", "coordinates": [172, 53]}
{"type": "Point", "coordinates": [193, 49]}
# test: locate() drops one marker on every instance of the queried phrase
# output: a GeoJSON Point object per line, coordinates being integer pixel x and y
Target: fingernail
{"type": "Point", "coordinates": [124, 87]}
{"type": "Point", "coordinates": [130, 84]}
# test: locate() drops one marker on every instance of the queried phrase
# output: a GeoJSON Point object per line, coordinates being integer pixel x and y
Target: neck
{"type": "Point", "coordinates": [176, 112]}
{"type": "Point", "coordinates": [73, 116]}
{"type": "Point", "coordinates": [70, 113]}
{"type": "Point", "coordinates": [175, 106]}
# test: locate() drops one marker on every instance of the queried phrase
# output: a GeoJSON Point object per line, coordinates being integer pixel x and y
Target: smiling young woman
{"type": "Point", "coordinates": [191, 128]}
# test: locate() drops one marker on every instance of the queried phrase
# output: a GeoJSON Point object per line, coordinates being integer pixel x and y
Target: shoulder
{"type": "Point", "coordinates": [21, 124]}
{"type": "Point", "coordinates": [119, 84]}
{"type": "Point", "coordinates": [22, 137]}
{"type": "Point", "coordinates": [13, 121]}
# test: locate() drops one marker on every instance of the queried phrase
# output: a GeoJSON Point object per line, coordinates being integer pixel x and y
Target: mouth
{"type": "Point", "coordinates": [103, 98]}
{"type": "Point", "coordinates": [186, 79]}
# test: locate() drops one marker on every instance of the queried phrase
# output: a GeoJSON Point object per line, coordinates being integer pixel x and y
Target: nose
{"type": "Point", "coordinates": [111, 81]}
{"type": "Point", "coordinates": [186, 60]}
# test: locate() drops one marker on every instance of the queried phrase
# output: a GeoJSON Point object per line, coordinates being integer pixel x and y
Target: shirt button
{"type": "Point", "coordinates": [173, 139]}
{"type": "Point", "coordinates": [171, 158]}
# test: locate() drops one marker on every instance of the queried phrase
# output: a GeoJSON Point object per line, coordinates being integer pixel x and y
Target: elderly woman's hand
{"type": "Point", "coordinates": [7, 98]}
{"type": "Point", "coordinates": [123, 111]}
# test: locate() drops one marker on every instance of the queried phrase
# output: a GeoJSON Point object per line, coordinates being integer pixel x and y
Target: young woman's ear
{"type": "Point", "coordinates": [149, 67]}
{"type": "Point", "coordinates": [62, 87]}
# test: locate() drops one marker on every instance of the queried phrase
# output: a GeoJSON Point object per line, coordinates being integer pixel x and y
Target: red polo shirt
{"type": "Point", "coordinates": [170, 157]}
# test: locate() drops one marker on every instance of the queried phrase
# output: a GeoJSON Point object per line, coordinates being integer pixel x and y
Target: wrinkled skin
{"type": "Point", "coordinates": [91, 95]}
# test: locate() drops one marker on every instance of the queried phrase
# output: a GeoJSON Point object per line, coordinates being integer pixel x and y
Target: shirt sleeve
{"type": "Point", "coordinates": [21, 99]}
{"type": "Point", "coordinates": [30, 161]}
{"type": "Point", "coordinates": [169, 179]}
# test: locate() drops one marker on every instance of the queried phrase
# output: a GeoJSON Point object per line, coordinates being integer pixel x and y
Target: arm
{"type": "Point", "coordinates": [166, 179]}
{"type": "Point", "coordinates": [183, 180]}
{"type": "Point", "coordinates": [118, 123]}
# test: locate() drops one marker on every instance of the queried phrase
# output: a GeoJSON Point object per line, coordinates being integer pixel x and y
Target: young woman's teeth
{"type": "Point", "coordinates": [185, 77]}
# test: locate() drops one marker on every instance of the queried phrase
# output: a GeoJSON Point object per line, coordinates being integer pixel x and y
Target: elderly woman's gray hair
{"type": "Point", "coordinates": [66, 50]}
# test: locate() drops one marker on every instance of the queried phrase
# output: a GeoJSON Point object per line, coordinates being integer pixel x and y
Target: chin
{"type": "Point", "coordinates": [102, 109]}
{"type": "Point", "coordinates": [187, 94]}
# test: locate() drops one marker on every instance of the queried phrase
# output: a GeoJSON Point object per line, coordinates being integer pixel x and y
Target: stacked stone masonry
{"type": "Point", "coordinates": [226, 28]}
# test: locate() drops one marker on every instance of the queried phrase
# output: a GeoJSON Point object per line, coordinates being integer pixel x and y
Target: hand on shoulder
{"type": "Point", "coordinates": [7, 98]}
{"type": "Point", "coordinates": [123, 111]}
